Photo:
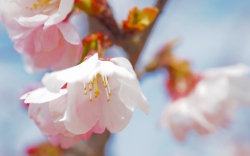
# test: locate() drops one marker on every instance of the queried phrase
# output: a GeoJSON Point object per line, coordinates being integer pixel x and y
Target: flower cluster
{"type": "Point", "coordinates": [202, 102]}
{"type": "Point", "coordinates": [85, 99]}
{"type": "Point", "coordinates": [77, 100]}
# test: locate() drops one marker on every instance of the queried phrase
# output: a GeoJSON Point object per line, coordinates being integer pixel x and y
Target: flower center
{"type": "Point", "coordinates": [93, 87]}
{"type": "Point", "coordinates": [43, 6]}
{"type": "Point", "coordinates": [41, 3]}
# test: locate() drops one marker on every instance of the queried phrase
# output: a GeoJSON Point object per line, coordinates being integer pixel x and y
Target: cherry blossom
{"type": "Point", "coordinates": [42, 33]}
{"type": "Point", "coordinates": [211, 104]}
{"type": "Point", "coordinates": [56, 134]}
{"type": "Point", "coordinates": [94, 95]}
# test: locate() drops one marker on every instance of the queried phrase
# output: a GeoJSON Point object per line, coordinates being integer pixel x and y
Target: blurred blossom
{"type": "Point", "coordinates": [74, 104]}
{"type": "Point", "coordinates": [211, 104]}
{"type": "Point", "coordinates": [44, 149]}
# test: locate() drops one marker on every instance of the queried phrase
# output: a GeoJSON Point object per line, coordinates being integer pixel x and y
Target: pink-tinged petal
{"type": "Point", "coordinates": [182, 117]}
{"type": "Point", "coordinates": [31, 22]}
{"type": "Point", "coordinates": [57, 110]}
{"type": "Point", "coordinates": [81, 115]}
{"type": "Point", "coordinates": [65, 8]}
{"type": "Point", "coordinates": [40, 114]}
{"type": "Point", "coordinates": [42, 95]}
{"type": "Point", "coordinates": [69, 33]}
{"type": "Point", "coordinates": [115, 115]}
{"type": "Point", "coordinates": [44, 60]}
{"type": "Point", "coordinates": [86, 136]}
{"type": "Point", "coordinates": [64, 141]}
{"type": "Point", "coordinates": [58, 107]}
{"type": "Point", "coordinates": [54, 81]}
{"type": "Point", "coordinates": [70, 58]}
{"type": "Point", "coordinates": [99, 127]}
{"type": "Point", "coordinates": [230, 71]}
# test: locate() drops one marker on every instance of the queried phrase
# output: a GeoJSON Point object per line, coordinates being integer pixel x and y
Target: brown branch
{"type": "Point", "coordinates": [95, 146]}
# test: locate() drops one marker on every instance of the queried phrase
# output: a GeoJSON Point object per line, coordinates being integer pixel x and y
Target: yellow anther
{"type": "Point", "coordinates": [109, 94]}
{"type": "Point", "coordinates": [85, 88]}
{"type": "Point", "coordinates": [90, 89]}
{"type": "Point", "coordinates": [40, 3]}
{"type": "Point", "coordinates": [85, 93]}
{"type": "Point", "coordinates": [108, 100]}
{"type": "Point", "coordinates": [90, 100]}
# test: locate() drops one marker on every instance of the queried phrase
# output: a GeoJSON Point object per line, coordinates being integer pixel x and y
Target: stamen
{"type": "Point", "coordinates": [107, 83]}
{"type": "Point", "coordinates": [97, 92]}
{"type": "Point", "coordinates": [103, 81]}
{"type": "Point", "coordinates": [85, 89]}
{"type": "Point", "coordinates": [90, 87]}
{"type": "Point", "coordinates": [93, 86]}
{"type": "Point", "coordinates": [107, 94]}
{"type": "Point", "coordinates": [90, 92]}
{"type": "Point", "coordinates": [41, 3]}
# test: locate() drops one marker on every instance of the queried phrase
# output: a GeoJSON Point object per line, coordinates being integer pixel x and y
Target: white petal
{"type": "Point", "coordinates": [123, 62]}
{"type": "Point", "coordinates": [34, 21]}
{"type": "Point", "coordinates": [69, 33]}
{"type": "Point", "coordinates": [40, 114]}
{"type": "Point", "coordinates": [42, 95]}
{"type": "Point", "coordinates": [81, 115]}
{"type": "Point", "coordinates": [64, 9]}
{"type": "Point", "coordinates": [115, 115]}
{"type": "Point", "coordinates": [55, 80]}
{"type": "Point", "coordinates": [130, 93]}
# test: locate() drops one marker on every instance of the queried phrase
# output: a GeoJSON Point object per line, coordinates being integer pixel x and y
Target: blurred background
{"type": "Point", "coordinates": [212, 33]}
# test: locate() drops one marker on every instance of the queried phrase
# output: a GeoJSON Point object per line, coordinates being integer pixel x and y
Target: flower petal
{"type": "Point", "coordinates": [31, 22]}
{"type": "Point", "coordinates": [81, 115]}
{"type": "Point", "coordinates": [231, 71]}
{"type": "Point", "coordinates": [65, 8]}
{"type": "Point", "coordinates": [69, 32]}
{"type": "Point", "coordinates": [64, 141]}
{"type": "Point", "coordinates": [54, 81]}
{"type": "Point", "coordinates": [70, 58]}
{"type": "Point", "coordinates": [123, 62]}
{"type": "Point", "coordinates": [42, 95]}
{"type": "Point", "coordinates": [130, 94]}
{"type": "Point", "coordinates": [123, 79]}
{"type": "Point", "coordinates": [40, 114]}
{"type": "Point", "coordinates": [115, 115]}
